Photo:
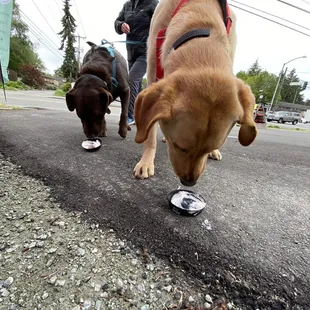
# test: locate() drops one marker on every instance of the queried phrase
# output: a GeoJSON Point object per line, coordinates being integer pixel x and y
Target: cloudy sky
{"type": "Point", "coordinates": [270, 43]}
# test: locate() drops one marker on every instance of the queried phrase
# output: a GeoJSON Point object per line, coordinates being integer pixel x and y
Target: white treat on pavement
{"type": "Point", "coordinates": [192, 202]}
{"type": "Point", "coordinates": [91, 144]}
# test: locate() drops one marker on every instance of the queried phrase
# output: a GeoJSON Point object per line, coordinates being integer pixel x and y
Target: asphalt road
{"type": "Point", "coordinates": [251, 243]}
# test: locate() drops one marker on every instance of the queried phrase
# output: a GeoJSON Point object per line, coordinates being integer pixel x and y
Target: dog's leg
{"type": "Point", "coordinates": [123, 127]}
{"type": "Point", "coordinates": [215, 155]}
{"type": "Point", "coordinates": [104, 128]}
{"type": "Point", "coordinates": [145, 167]}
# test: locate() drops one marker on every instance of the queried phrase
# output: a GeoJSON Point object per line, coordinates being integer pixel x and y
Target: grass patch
{"type": "Point", "coordinates": [59, 93]}
{"type": "Point", "coordinates": [9, 107]}
{"type": "Point", "coordinates": [282, 128]}
{"type": "Point", "coordinates": [274, 126]}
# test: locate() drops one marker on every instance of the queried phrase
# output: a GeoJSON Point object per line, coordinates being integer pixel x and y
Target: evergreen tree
{"type": "Point", "coordinates": [255, 69]}
{"type": "Point", "coordinates": [69, 66]}
{"type": "Point", "coordinates": [289, 92]}
{"type": "Point", "coordinates": [22, 51]}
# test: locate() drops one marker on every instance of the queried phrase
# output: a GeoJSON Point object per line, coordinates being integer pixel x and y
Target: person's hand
{"type": "Point", "coordinates": [125, 28]}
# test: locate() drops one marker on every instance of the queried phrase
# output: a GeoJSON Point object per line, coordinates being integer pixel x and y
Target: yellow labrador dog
{"type": "Point", "coordinates": [198, 100]}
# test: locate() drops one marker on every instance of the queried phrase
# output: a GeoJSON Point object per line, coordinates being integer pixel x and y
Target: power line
{"type": "Point", "coordinates": [79, 17]}
{"type": "Point", "coordinates": [295, 6]}
{"type": "Point", "coordinates": [271, 14]}
{"type": "Point", "coordinates": [58, 7]}
{"type": "Point", "coordinates": [29, 21]}
{"type": "Point", "coordinates": [233, 5]}
{"type": "Point", "coordinates": [52, 13]}
{"type": "Point", "coordinates": [35, 34]}
{"type": "Point", "coordinates": [305, 1]}
{"type": "Point", "coordinates": [44, 42]}
{"type": "Point", "coordinates": [45, 19]}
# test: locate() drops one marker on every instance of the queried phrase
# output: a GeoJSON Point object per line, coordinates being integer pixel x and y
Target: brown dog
{"type": "Point", "coordinates": [199, 99]}
{"type": "Point", "coordinates": [95, 89]}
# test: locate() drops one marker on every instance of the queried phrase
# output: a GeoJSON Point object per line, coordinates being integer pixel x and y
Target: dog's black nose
{"type": "Point", "coordinates": [188, 182]}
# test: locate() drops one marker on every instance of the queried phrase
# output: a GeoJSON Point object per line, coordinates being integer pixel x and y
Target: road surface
{"type": "Point", "coordinates": [252, 241]}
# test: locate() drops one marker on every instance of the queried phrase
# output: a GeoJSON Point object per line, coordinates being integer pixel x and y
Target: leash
{"type": "Point", "coordinates": [129, 42]}
{"type": "Point", "coordinates": [110, 47]}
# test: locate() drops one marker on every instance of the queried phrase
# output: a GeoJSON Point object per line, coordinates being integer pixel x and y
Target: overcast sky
{"type": "Point", "coordinates": [272, 44]}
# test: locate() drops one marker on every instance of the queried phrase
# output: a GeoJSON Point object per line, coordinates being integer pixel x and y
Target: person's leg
{"type": "Point", "coordinates": [136, 72]}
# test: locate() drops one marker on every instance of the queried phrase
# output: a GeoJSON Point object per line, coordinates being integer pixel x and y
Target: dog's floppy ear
{"type": "Point", "coordinates": [152, 104]}
{"type": "Point", "coordinates": [248, 130]}
{"type": "Point", "coordinates": [105, 96]}
{"type": "Point", "coordinates": [70, 100]}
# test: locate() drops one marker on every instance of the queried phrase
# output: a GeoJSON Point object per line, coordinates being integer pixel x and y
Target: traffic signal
{"type": "Point", "coordinates": [304, 86]}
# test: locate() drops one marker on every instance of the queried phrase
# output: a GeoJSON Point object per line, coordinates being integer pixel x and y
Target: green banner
{"type": "Point", "coordinates": [6, 8]}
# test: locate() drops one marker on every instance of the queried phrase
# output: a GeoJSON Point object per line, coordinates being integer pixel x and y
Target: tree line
{"type": "Point", "coordinates": [26, 62]}
{"type": "Point", "coordinates": [264, 83]}
{"type": "Point", "coordinates": [24, 59]}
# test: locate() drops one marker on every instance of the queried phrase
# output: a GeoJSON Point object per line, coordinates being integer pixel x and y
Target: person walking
{"type": "Point", "coordinates": [134, 20]}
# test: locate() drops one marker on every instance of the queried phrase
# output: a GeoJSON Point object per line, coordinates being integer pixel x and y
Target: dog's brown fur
{"type": "Point", "coordinates": [199, 100]}
{"type": "Point", "coordinates": [93, 92]}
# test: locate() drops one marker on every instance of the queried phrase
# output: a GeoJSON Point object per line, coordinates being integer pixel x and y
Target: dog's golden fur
{"type": "Point", "coordinates": [199, 99]}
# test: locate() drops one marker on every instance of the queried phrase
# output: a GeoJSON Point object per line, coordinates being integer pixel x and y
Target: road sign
{"type": "Point", "coordinates": [294, 83]}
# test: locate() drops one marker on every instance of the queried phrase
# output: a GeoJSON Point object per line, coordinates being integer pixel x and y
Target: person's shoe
{"type": "Point", "coordinates": [131, 121]}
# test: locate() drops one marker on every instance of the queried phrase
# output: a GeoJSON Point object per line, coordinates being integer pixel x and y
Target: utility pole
{"type": "Point", "coordinates": [279, 79]}
{"type": "Point", "coordinates": [280, 86]}
{"type": "Point", "coordinates": [297, 89]}
{"type": "Point", "coordinates": [79, 51]}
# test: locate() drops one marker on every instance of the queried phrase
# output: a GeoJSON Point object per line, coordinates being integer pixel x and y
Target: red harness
{"type": "Point", "coordinates": [162, 33]}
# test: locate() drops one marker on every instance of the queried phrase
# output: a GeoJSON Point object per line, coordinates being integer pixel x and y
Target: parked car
{"type": "Point", "coordinates": [305, 121]}
{"type": "Point", "coordinates": [270, 116]}
{"type": "Point", "coordinates": [284, 117]}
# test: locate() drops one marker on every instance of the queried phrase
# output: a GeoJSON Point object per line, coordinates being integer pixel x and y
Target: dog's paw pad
{"type": "Point", "coordinates": [216, 155]}
{"type": "Point", "coordinates": [123, 132]}
{"type": "Point", "coordinates": [144, 170]}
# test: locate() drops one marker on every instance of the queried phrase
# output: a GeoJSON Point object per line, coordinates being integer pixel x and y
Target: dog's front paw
{"type": "Point", "coordinates": [215, 155]}
{"type": "Point", "coordinates": [123, 126]}
{"type": "Point", "coordinates": [123, 131]}
{"type": "Point", "coordinates": [103, 133]}
{"type": "Point", "coordinates": [144, 170]}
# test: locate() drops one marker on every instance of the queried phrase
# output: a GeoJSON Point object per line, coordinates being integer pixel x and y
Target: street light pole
{"type": "Point", "coordinates": [279, 79]}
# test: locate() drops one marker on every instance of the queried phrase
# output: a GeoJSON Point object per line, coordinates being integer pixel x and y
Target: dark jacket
{"type": "Point", "coordinates": [137, 14]}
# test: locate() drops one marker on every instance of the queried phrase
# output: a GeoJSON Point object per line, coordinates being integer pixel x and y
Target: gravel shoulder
{"type": "Point", "coordinates": [54, 259]}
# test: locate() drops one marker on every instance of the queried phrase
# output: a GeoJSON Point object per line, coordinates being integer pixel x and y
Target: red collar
{"type": "Point", "coordinates": [161, 34]}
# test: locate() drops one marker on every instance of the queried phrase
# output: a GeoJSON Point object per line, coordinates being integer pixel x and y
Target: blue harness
{"type": "Point", "coordinates": [109, 46]}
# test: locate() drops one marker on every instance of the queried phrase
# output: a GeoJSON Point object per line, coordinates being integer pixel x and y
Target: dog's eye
{"type": "Point", "coordinates": [183, 150]}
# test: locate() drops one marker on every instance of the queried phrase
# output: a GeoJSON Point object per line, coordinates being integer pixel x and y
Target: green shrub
{"type": "Point", "coordinates": [59, 92]}
{"type": "Point", "coordinates": [144, 83]}
{"type": "Point", "coordinates": [16, 85]}
{"type": "Point", "coordinates": [66, 86]}
{"type": "Point", "coordinates": [50, 87]}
